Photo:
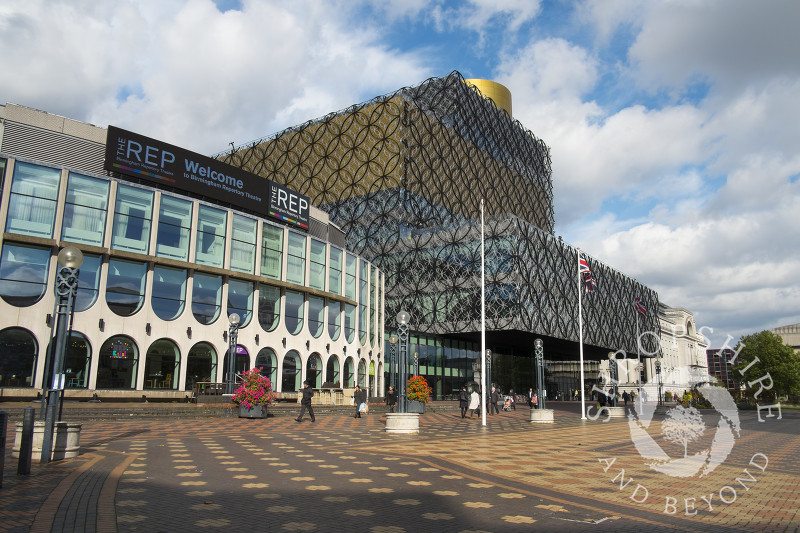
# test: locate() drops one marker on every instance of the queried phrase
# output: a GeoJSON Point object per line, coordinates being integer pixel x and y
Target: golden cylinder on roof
{"type": "Point", "coordinates": [494, 91]}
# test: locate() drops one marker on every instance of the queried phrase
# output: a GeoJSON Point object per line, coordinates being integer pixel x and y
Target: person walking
{"type": "Point", "coordinates": [305, 402]}
{"type": "Point", "coordinates": [494, 397]}
{"type": "Point", "coordinates": [359, 397]}
{"type": "Point", "coordinates": [474, 401]}
{"type": "Point", "coordinates": [535, 400]}
{"type": "Point", "coordinates": [513, 399]}
{"type": "Point", "coordinates": [391, 398]}
{"type": "Point", "coordinates": [463, 401]}
{"type": "Point", "coordinates": [625, 397]}
{"type": "Point", "coordinates": [530, 397]}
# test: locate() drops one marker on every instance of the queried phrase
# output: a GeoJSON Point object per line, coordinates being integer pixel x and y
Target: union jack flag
{"type": "Point", "coordinates": [637, 304]}
{"type": "Point", "coordinates": [586, 273]}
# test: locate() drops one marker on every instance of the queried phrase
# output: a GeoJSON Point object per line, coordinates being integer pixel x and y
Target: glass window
{"type": "Point", "coordinates": [125, 286]}
{"type": "Point", "coordinates": [316, 277]}
{"type": "Point", "coordinates": [296, 259]}
{"type": "Point", "coordinates": [85, 210]}
{"type": "Point", "coordinates": [23, 274]}
{"type": "Point", "coordinates": [349, 322]}
{"type": "Point", "coordinates": [243, 244]}
{"type": "Point", "coordinates": [334, 320]}
{"type": "Point", "coordinates": [119, 357]}
{"type": "Point", "coordinates": [316, 315]}
{"type": "Point", "coordinates": [206, 297]}
{"type": "Point", "coordinates": [201, 365]}
{"type": "Point", "coordinates": [132, 217]}
{"type": "Point", "coordinates": [78, 358]}
{"type": "Point", "coordinates": [350, 277]}
{"type": "Point", "coordinates": [88, 282]}
{"type": "Point", "coordinates": [335, 271]}
{"type": "Point", "coordinates": [269, 306]}
{"type": "Point", "coordinates": [268, 363]}
{"type": "Point", "coordinates": [210, 245]}
{"type": "Point", "coordinates": [161, 365]}
{"type": "Point", "coordinates": [169, 292]}
{"type": "Point", "coordinates": [271, 251]}
{"type": "Point", "coordinates": [372, 299]}
{"type": "Point", "coordinates": [18, 352]}
{"type": "Point", "coordinates": [240, 300]}
{"type": "Point", "coordinates": [174, 227]}
{"type": "Point", "coordinates": [32, 205]}
{"type": "Point", "coordinates": [294, 312]}
{"type": "Point", "coordinates": [362, 303]}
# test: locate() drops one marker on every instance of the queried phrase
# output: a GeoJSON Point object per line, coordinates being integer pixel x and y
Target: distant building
{"type": "Point", "coordinates": [790, 335]}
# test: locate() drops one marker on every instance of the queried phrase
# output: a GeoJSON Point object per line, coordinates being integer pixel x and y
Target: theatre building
{"type": "Point", "coordinates": [173, 244]}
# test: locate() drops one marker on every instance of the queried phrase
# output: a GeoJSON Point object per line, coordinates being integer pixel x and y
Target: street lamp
{"type": "Point", "coordinates": [69, 259]}
{"type": "Point", "coordinates": [402, 322]}
{"type": "Point", "coordinates": [612, 372]}
{"type": "Point", "coordinates": [658, 375]}
{"type": "Point", "coordinates": [393, 361]}
{"type": "Point", "coordinates": [539, 353]}
{"type": "Point", "coordinates": [233, 334]}
{"type": "Point", "coordinates": [488, 371]}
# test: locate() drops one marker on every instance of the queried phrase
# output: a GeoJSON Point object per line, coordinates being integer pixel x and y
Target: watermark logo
{"type": "Point", "coordinates": [683, 426]}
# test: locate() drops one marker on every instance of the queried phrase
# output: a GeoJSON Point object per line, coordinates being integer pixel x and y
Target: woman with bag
{"type": "Point", "coordinates": [359, 397]}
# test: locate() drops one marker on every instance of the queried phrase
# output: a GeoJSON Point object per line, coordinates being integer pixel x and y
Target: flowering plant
{"type": "Point", "coordinates": [254, 390]}
{"type": "Point", "coordinates": [418, 389]}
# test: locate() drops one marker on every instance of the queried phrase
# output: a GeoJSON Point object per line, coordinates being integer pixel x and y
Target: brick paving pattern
{"type": "Point", "coordinates": [345, 474]}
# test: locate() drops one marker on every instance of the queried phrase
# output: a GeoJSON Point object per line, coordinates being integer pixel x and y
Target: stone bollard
{"type": "Point", "coordinates": [616, 412]}
{"type": "Point", "coordinates": [66, 440]}
{"type": "Point", "coordinates": [404, 423]}
{"type": "Point", "coordinates": [542, 416]}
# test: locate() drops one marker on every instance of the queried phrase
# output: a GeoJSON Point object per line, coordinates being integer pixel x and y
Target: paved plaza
{"type": "Point", "coordinates": [349, 475]}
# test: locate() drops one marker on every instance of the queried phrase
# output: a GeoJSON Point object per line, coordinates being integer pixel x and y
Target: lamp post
{"type": "Point", "coordinates": [393, 361]}
{"type": "Point", "coordinates": [488, 371]}
{"type": "Point", "coordinates": [416, 363]}
{"type": "Point", "coordinates": [402, 322]}
{"type": "Point", "coordinates": [539, 353]}
{"type": "Point", "coordinates": [612, 371]}
{"type": "Point", "coordinates": [70, 260]}
{"type": "Point", "coordinates": [658, 375]}
{"type": "Point", "coordinates": [233, 335]}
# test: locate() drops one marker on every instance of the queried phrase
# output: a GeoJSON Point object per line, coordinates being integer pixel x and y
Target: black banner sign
{"type": "Point", "coordinates": [142, 157]}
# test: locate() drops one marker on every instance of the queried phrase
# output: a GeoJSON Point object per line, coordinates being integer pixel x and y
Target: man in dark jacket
{"type": "Point", "coordinates": [463, 401]}
{"type": "Point", "coordinates": [305, 402]}
{"type": "Point", "coordinates": [359, 397]}
{"type": "Point", "coordinates": [391, 398]}
{"type": "Point", "coordinates": [494, 397]}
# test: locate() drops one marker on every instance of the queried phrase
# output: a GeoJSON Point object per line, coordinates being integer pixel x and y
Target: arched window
{"type": "Point", "coordinates": [371, 375]}
{"type": "Point", "coordinates": [240, 300]}
{"type": "Point", "coordinates": [23, 274]}
{"type": "Point", "coordinates": [119, 357]}
{"type": "Point", "coordinates": [201, 365]}
{"type": "Point", "coordinates": [206, 297]}
{"type": "Point", "coordinates": [242, 361]}
{"type": "Point", "coordinates": [169, 292]}
{"type": "Point", "coordinates": [363, 294]}
{"type": "Point", "coordinates": [88, 282]}
{"type": "Point", "coordinates": [332, 372]}
{"type": "Point", "coordinates": [161, 365]}
{"type": "Point", "coordinates": [294, 312]}
{"type": "Point", "coordinates": [18, 351]}
{"type": "Point", "coordinates": [125, 286]}
{"type": "Point", "coordinates": [316, 316]}
{"type": "Point", "coordinates": [362, 373]}
{"type": "Point", "coordinates": [290, 380]}
{"type": "Point", "coordinates": [334, 319]}
{"type": "Point", "coordinates": [314, 370]}
{"type": "Point", "coordinates": [349, 322]}
{"type": "Point", "coordinates": [268, 363]}
{"type": "Point", "coordinates": [269, 306]}
{"type": "Point", "coordinates": [78, 358]}
{"type": "Point", "coordinates": [349, 378]}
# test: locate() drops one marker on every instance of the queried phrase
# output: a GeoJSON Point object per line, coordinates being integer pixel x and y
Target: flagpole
{"type": "Point", "coordinates": [580, 339]}
{"type": "Point", "coordinates": [483, 326]}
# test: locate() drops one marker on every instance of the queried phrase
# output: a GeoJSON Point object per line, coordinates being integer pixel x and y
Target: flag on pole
{"type": "Point", "coordinates": [637, 304]}
{"type": "Point", "coordinates": [586, 272]}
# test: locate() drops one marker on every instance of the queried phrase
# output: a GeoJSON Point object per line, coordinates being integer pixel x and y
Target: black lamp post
{"type": "Point", "coordinates": [233, 336]}
{"type": "Point", "coordinates": [658, 375]}
{"type": "Point", "coordinates": [402, 325]}
{"type": "Point", "coordinates": [612, 371]}
{"type": "Point", "coordinates": [539, 353]}
{"type": "Point", "coordinates": [70, 260]}
{"type": "Point", "coordinates": [393, 361]}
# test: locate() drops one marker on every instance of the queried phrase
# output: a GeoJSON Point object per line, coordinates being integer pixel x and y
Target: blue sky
{"type": "Point", "coordinates": [672, 124]}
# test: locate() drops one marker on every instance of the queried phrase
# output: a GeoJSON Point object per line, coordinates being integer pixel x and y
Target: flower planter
{"type": "Point", "coordinates": [402, 423]}
{"type": "Point", "coordinates": [66, 440]}
{"type": "Point", "coordinates": [257, 411]}
{"type": "Point", "coordinates": [415, 407]}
